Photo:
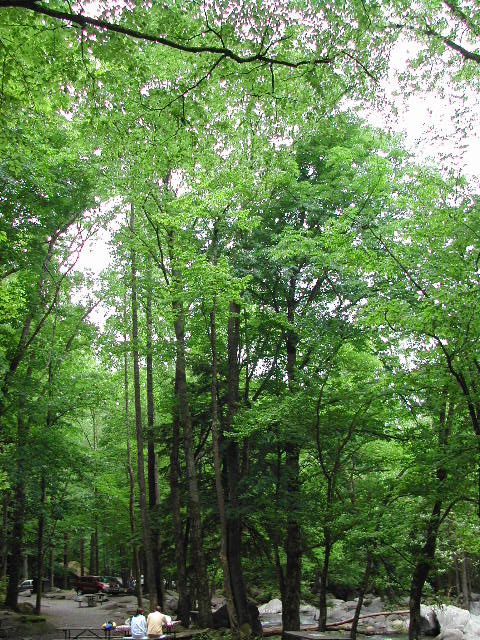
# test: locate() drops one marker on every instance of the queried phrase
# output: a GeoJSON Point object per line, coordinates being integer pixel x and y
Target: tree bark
{"type": "Point", "coordinates": [183, 609]}
{"type": "Point", "coordinates": [153, 490]}
{"type": "Point", "coordinates": [14, 559]}
{"type": "Point", "coordinates": [40, 536]}
{"type": "Point", "coordinates": [426, 553]}
{"type": "Point", "coordinates": [146, 536]}
{"type": "Point", "coordinates": [232, 459]}
{"type": "Point", "coordinates": [82, 556]}
{"type": "Point", "coordinates": [4, 536]}
{"type": "Point", "coordinates": [197, 553]}
{"type": "Point", "coordinates": [91, 563]}
{"type": "Point", "coordinates": [129, 468]}
{"type": "Point", "coordinates": [465, 585]}
{"type": "Point", "coordinates": [322, 596]}
{"type": "Point", "coordinates": [52, 566]}
{"type": "Point", "coordinates": [361, 595]}
{"type": "Point", "coordinates": [65, 560]}
{"type": "Point", "coordinates": [231, 610]}
{"type": "Point", "coordinates": [293, 547]}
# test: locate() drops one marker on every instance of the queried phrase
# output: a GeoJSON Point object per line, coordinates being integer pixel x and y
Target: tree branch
{"type": "Point", "coordinates": [84, 21]}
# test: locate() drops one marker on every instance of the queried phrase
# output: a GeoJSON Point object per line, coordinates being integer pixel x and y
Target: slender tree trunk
{"type": "Point", "coordinates": [82, 556]}
{"type": "Point", "coordinates": [183, 609]}
{"type": "Point", "coordinates": [465, 587]}
{"type": "Point", "coordinates": [4, 540]}
{"type": "Point", "coordinates": [153, 490]}
{"type": "Point", "coordinates": [14, 559]}
{"type": "Point", "coordinates": [91, 563]}
{"type": "Point", "coordinates": [293, 574]}
{"type": "Point", "coordinates": [97, 549]}
{"type": "Point", "coordinates": [426, 553]}
{"type": "Point", "coordinates": [234, 526]}
{"type": "Point", "coordinates": [65, 560]}
{"type": "Point", "coordinates": [40, 535]}
{"type": "Point", "coordinates": [361, 595]}
{"type": "Point", "coordinates": [322, 596]}
{"type": "Point", "coordinates": [198, 557]}
{"type": "Point", "coordinates": [52, 566]}
{"type": "Point", "coordinates": [130, 474]}
{"type": "Point", "coordinates": [232, 613]}
{"type": "Point", "coordinates": [146, 536]}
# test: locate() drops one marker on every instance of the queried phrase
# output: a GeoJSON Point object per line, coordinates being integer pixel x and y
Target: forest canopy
{"type": "Point", "coordinates": [282, 395]}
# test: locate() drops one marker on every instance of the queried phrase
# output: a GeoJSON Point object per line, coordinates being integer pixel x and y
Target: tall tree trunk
{"type": "Point", "coordinates": [198, 556]}
{"type": "Point", "coordinates": [4, 539]}
{"type": "Point", "coordinates": [231, 610]}
{"type": "Point", "coordinates": [52, 566]}
{"type": "Point", "coordinates": [14, 560]}
{"type": "Point", "coordinates": [65, 560]}
{"type": "Point", "coordinates": [293, 574]}
{"type": "Point", "coordinates": [146, 536]}
{"type": "Point", "coordinates": [234, 525]}
{"type": "Point", "coordinates": [40, 535]}
{"type": "Point", "coordinates": [426, 553]}
{"type": "Point", "coordinates": [465, 586]}
{"type": "Point", "coordinates": [361, 595]}
{"type": "Point", "coordinates": [97, 549]}
{"type": "Point", "coordinates": [322, 596]}
{"type": "Point", "coordinates": [130, 474]}
{"type": "Point", "coordinates": [91, 563]}
{"type": "Point", "coordinates": [183, 609]}
{"type": "Point", "coordinates": [153, 490]}
{"type": "Point", "coordinates": [82, 556]}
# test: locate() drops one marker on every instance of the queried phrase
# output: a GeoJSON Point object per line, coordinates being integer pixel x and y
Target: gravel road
{"type": "Point", "coordinates": [62, 610]}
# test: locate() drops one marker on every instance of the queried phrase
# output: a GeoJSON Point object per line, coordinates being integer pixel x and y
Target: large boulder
{"type": "Point", "coordinates": [221, 620]}
{"type": "Point", "coordinates": [274, 606]}
{"type": "Point", "coordinates": [430, 624]}
{"type": "Point", "coordinates": [373, 605]}
{"type": "Point", "coordinates": [455, 623]}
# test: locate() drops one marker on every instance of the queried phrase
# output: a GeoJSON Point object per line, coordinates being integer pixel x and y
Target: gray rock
{"type": "Point", "coordinates": [274, 606]}
{"type": "Point", "coordinates": [430, 624]}
{"type": "Point", "coordinates": [451, 634]}
{"type": "Point", "coordinates": [373, 605]}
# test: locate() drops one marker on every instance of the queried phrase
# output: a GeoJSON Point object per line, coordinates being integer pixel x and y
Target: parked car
{"type": "Point", "coordinates": [95, 584]}
{"type": "Point", "coordinates": [25, 585]}
{"type": "Point", "coordinates": [113, 579]}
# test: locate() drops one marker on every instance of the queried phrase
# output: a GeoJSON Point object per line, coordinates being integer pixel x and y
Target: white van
{"type": "Point", "coordinates": [25, 585]}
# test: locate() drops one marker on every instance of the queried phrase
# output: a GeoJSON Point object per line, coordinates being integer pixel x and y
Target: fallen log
{"type": "Point", "coordinates": [277, 631]}
{"type": "Point", "coordinates": [369, 615]}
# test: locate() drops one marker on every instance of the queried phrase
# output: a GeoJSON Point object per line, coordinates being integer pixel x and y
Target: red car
{"type": "Point", "coordinates": [95, 584]}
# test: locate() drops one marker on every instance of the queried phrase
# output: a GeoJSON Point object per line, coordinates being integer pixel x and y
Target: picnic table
{"type": "Point", "coordinates": [92, 599]}
{"type": "Point", "coordinates": [84, 632]}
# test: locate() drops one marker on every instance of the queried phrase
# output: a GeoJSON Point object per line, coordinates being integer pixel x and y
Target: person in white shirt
{"type": "Point", "coordinates": [138, 625]}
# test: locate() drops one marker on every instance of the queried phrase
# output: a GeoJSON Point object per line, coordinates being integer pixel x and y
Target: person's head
{"type": "Point", "coordinates": [139, 612]}
{"type": "Point", "coordinates": [159, 609]}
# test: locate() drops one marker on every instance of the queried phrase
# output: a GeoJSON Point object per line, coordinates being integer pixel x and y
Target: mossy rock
{"type": "Point", "coordinates": [25, 608]}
